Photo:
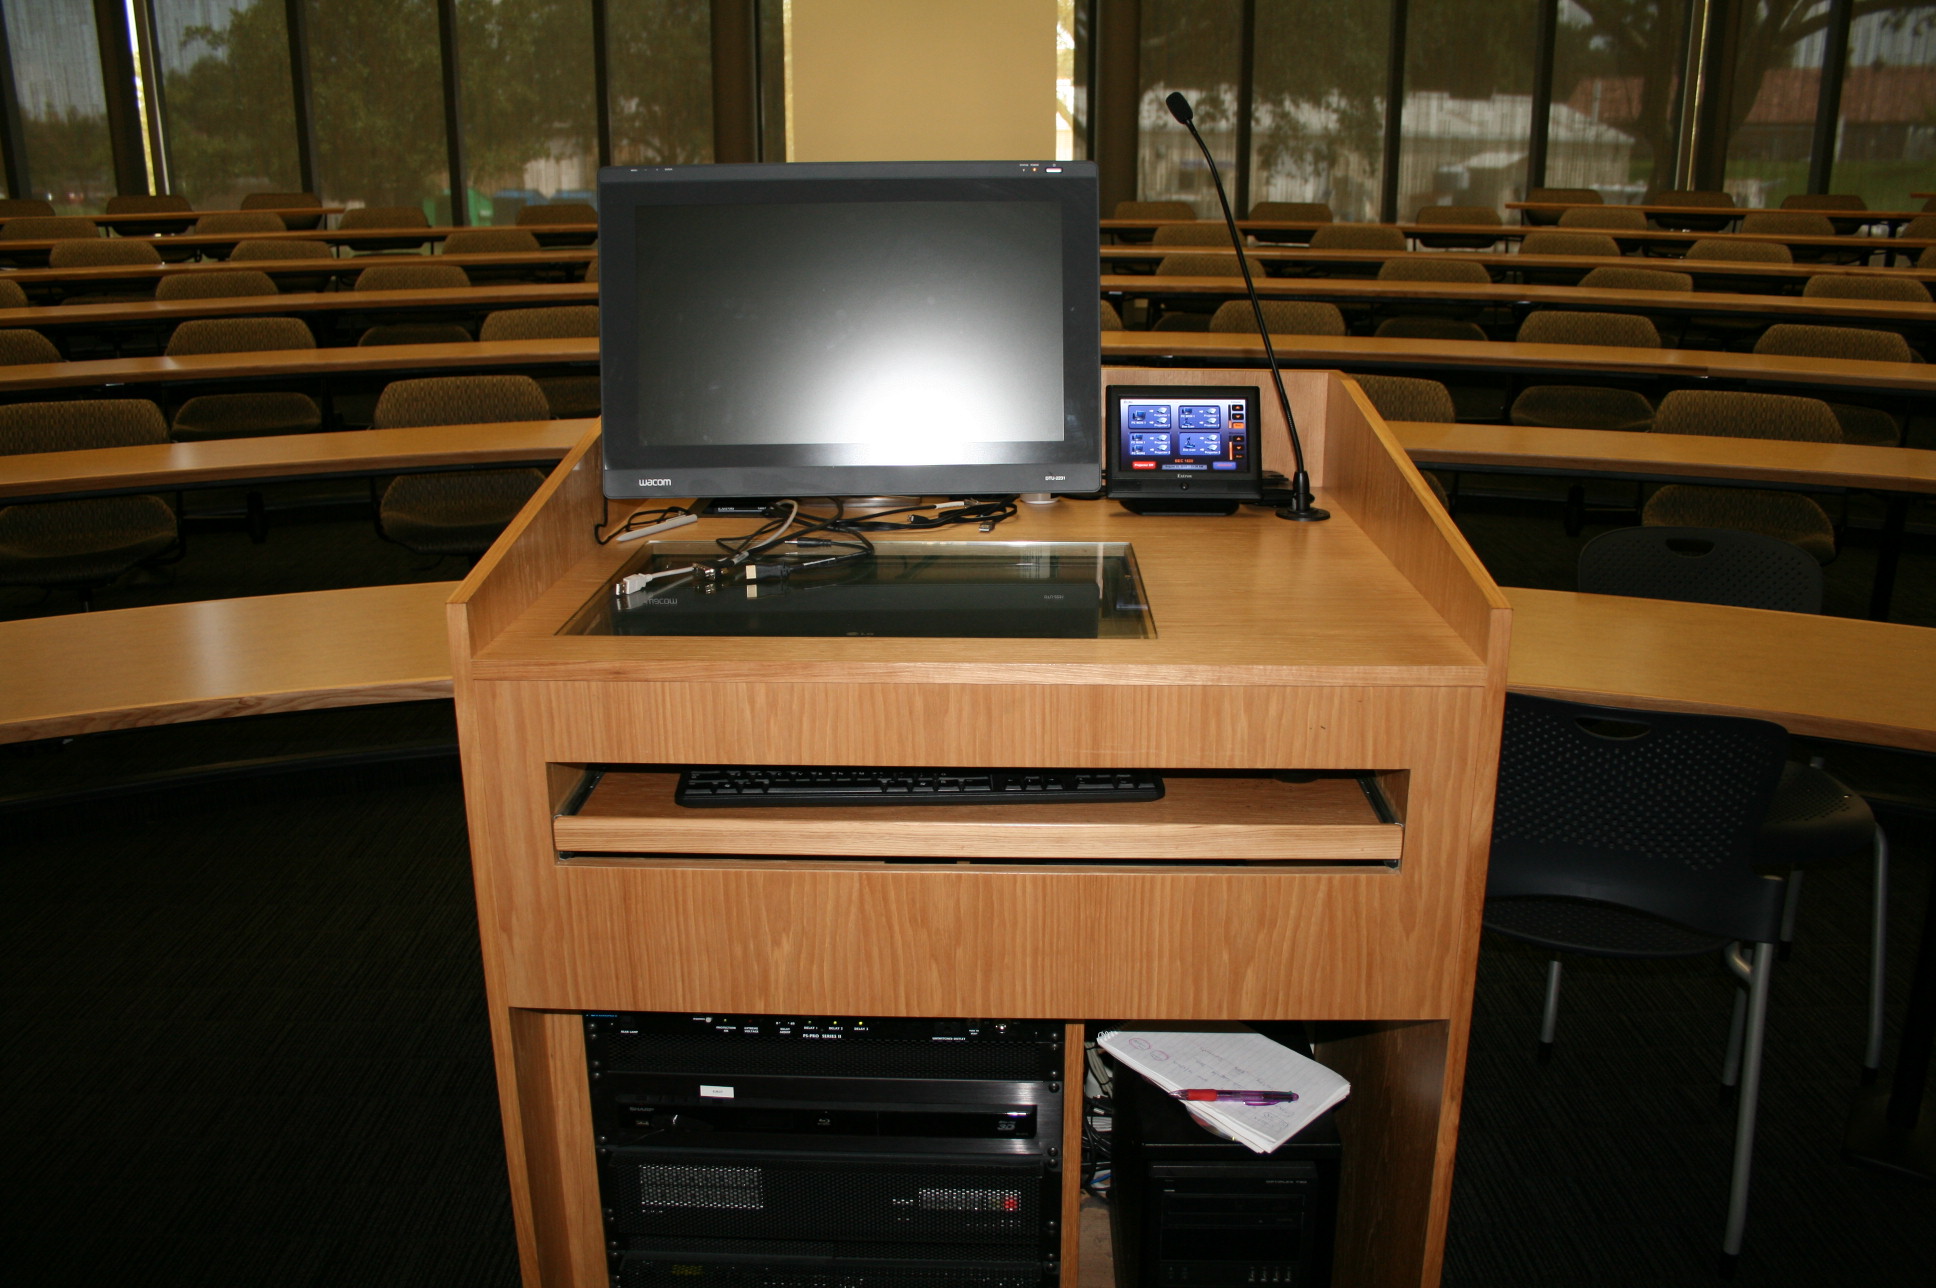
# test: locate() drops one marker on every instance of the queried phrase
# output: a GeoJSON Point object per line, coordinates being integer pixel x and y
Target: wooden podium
{"type": "Point", "coordinates": [1372, 643]}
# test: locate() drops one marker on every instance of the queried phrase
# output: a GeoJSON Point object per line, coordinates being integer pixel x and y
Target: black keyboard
{"type": "Point", "coordinates": [796, 785]}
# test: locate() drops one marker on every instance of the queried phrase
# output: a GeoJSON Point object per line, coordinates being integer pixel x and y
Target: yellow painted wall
{"type": "Point", "coordinates": [921, 80]}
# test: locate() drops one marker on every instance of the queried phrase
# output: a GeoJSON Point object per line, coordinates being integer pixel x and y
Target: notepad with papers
{"type": "Point", "coordinates": [1231, 1058]}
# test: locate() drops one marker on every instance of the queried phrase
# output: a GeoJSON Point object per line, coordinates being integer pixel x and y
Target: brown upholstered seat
{"type": "Point", "coordinates": [277, 248]}
{"type": "Point", "coordinates": [1556, 243]}
{"type": "Point", "coordinates": [558, 212]}
{"type": "Point", "coordinates": [102, 251]}
{"type": "Point", "coordinates": [456, 513]}
{"type": "Point", "coordinates": [1206, 266]}
{"type": "Point", "coordinates": [1852, 286]}
{"type": "Point", "coordinates": [366, 217]}
{"type": "Point", "coordinates": [252, 414]}
{"type": "Point", "coordinates": [1432, 268]}
{"type": "Point", "coordinates": [1692, 197]}
{"type": "Point", "coordinates": [1312, 214]}
{"type": "Point", "coordinates": [141, 203]}
{"type": "Point", "coordinates": [1744, 252]}
{"type": "Point", "coordinates": [1582, 407]}
{"type": "Point", "coordinates": [25, 207]}
{"type": "Point", "coordinates": [1869, 426]}
{"type": "Point", "coordinates": [20, 346]}
{"type": "Point", "coordinates": [1567, 326]}
{"type": "Point", "coordinates": [47, 228]}
{"type": "Point", "coordinates": [1576, 196]}
{"type": "Point", "coordinates": [1638, 279]}
{"type": "Point", "coordinates": [412, 275]}
{"type": "Point", "coordinates": [1111, 320]}
{"type": "Point", "coordinates": [542, 219]}
{"type": "Point", "coordinates": [1574, 406]}
{"type": "Point", "coordinates": [1725, 414]}
{"type": "Point", "coordinates": [1409, 398]}
{"type": "Point", "coordinates": [287, 201]}
{"type": "Point", "coordinates": [1283, 317]}
{"type": "Point", "coordinates": [415, 333]}
{"type": "Point", "coordinates": [569, 397]}
{"type": "Point", "coordinates": [1862, 343]}
{"type": "Point", "coordinates": [1625, 217]}
{"type": "Point", "coordinates": [1358, 237]}
{"type": "Point", "coordinates": [240, 221]}
{"type": "Point", "coordinates": [41, 228]}
{"type": "Point", "coordinates": [489, 241]}
{"type": "Point", "coordinates": [210, 286]}
{"type": "Point", "coordinates": [1192, 235]}
{"type": "Point", "coordinates": [1484, 217]}
{"type": "Point", "coordinates": [11, 296]}
{"type": "Point", "coordinates": [1426, 327]}
{"type": "Point", "coordinates": [88, 543]}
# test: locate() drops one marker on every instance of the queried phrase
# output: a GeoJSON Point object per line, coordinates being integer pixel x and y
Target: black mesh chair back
{"type": "Point", "coordinates": [1652, 812]}
{"type": "Point", "coordinates": [1703, 566]}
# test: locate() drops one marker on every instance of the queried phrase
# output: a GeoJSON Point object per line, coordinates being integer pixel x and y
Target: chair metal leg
{"type": "Point", "coordinates": [1878, 966]}
{"type": "Point", "coordinates": [1736, 959]}
{"type": "Point", "coordinates": [1790, 903]}
{"type": "Point", "coordinates": [1762, 969]}
{"type": "Point", "coordinates": [1550, 1017]}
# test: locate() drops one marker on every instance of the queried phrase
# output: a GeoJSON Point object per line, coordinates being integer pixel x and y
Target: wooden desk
{"type": "Point", "coordinates": [1663, 238]}
{"type": "Point", "coordinates": [37, 281]}
{"type": "Point", "coordinates": [284, 364]}
{"type": "Point", "coordinates": [86, 672]}
{"type": "Point", "coordinates": [166, 313]}
{"type": "Point", "coordinates": [1898, 473]}
{"type": "Point", "coordinates": [1893, 218]}
{"type": "Point", "coordinates": [1819, 677]}
{"type": "Point", "coordinates": [334, 236]}
{"type": "Point", "coordinates": [1345, 291]}
{"type": "Point", "coordinates": [190, 216]}
{"type": "Point", "coordinates": [1367, 352]}
{"type": "Point", "coordinates": [168, 467]}
{"type": "Point", "coordinates": [1513, 262]}
{"type": "Point", "coordinates": [1680, 458]}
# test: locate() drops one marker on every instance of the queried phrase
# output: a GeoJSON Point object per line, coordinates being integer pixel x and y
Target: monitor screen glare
{"type": "Point", "coordinates": [855, 329]}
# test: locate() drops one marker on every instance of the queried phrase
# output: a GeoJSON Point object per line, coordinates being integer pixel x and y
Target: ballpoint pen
{"type": "Point", "coordinates": [1242, 1097]}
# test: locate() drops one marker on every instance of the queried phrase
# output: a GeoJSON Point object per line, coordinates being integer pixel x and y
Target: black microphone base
{"type": "Point", "coordinates": [1309, 514]}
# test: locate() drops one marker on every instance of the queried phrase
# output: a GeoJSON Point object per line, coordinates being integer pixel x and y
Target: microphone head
{"type": "Point", "coordinates": [1180, 108]}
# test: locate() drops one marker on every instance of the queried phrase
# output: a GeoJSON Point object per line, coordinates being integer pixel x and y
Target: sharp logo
{"type": "Point", "coordinates": [655, 482]}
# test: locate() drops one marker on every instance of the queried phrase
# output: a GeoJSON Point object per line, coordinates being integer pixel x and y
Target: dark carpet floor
{"type": "Point", "coordinates": [246, 1039]}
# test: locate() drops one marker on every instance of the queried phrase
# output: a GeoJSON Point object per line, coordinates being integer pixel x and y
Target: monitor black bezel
{"type": "Point", "coordinates": [632, 470]}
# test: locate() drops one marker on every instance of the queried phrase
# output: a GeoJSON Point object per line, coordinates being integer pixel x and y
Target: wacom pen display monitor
{"type": "Point", "coordinates": [853, 329]}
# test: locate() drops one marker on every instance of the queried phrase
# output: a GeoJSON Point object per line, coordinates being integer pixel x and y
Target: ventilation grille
{"type": "Point", "coordinates": [822, 1199]}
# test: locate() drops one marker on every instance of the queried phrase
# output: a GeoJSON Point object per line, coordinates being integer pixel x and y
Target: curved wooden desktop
{"type": "Point", "coordinates": [1371, 642]}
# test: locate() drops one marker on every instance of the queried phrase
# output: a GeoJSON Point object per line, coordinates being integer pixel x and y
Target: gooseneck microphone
{"type": "Point", "coordinates": [1300, 506]}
